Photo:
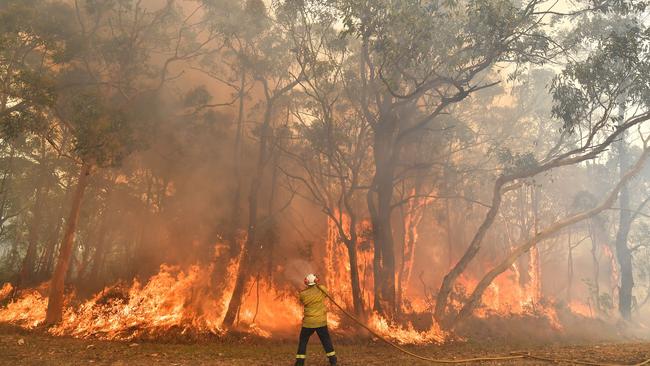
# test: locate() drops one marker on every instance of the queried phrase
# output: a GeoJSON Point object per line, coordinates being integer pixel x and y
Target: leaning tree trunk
{"type": "Point", "coordinates": [450, 279]}
{"type": "Point", "coordinates": [54, 312]}
{"type": "Point", "coordinates": [245, 257]}
{"type": "Point", "coordinates": [475, 298]}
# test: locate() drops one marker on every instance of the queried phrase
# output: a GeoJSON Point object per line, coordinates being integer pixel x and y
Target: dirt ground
{"type": "Point", "coordinates": [19, 347]}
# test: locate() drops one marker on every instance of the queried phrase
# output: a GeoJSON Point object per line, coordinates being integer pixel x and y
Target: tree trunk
{"type": "Point", "coordinates": [48, 255]}
{"type": "Point", "coordinates": [53, 233]}
{"type": "Point", "coordinates": [83, 263]}
{"type": "Point", "coordinates": [232, 236]}
{"type": "Point", "coordinates": [596, 267]}
{"type": "Point", "coordinates": [235, 214]}
{"type": "Point", "coordinates": [98, 255]}
{"type": "Point", "coordinates": [100, 241]}
{"type": "Point", "coordinates": [569, 287]}
{"type": "Point", "coordinates": [27, 270]}
{"type": "Point", "coordinates": [535, 269]}
{"type": "Point", "coordinates": [357, 300]}
{"type": "Point", "coordinates": [415, 212]}
{"type": "Point", "coordinates": [504, 265]}
{"type": "Point", "coordinates": [384, 157]}
{"type": "Point", "coordinates": [450, 238]}
{"type": "Point", "coordinates": [57, 285]}
{"type": "Point", "coordinates": [402, 234]}
{"type": "Point", "coordinates": [245, 258]}
{"type": "Point", "coordinates": [449, 280]}
{"type": "Point", "coordinates": [253, 197]}
{"type": "Point", "coordinates": [623, 252]}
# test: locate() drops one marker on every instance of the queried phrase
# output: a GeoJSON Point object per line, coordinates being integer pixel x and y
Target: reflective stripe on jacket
{"type": "Point", "coordinates": [315, 315]}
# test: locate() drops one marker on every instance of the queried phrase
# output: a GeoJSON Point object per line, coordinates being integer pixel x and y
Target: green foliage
{"type": "Point", "coordinates": [616, 71]}
{"type": "Point", "coordinates": [413, 39]}
{"type": "Point", "coordinates": [619, 6]}
{"type": "Point", "coordinates": [515, 162]}
{"type": "Point", "coordinates": [35, 38]}
{"type": "Point", "coordinates": [197, 97]}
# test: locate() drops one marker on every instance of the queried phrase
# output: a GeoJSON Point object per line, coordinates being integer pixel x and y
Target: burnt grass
{"type": "Point", "coordinates": [36, 347]}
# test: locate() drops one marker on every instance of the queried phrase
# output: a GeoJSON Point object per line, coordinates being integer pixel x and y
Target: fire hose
{"type": "Point", "coordinates": [513, 356]}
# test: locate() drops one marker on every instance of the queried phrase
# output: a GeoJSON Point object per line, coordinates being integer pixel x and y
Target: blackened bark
{"type": "Point", "coordinates": [357, 300]}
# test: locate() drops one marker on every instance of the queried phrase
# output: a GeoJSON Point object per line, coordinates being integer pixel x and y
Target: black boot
{"type": "Point", "coordinates": [332, 360]}
{"type": "Point", "coordinates": [300, 362]}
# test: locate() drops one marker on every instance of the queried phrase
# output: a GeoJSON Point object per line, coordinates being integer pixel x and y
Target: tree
{"type": "Point", "coordinates": [413, 62]}
{"type": "Point", "coordinates": [586, 95]}
{"type": "Point", "coordinates": [104, 102]}
{"type": "Point", "coordinates": [268, 51]}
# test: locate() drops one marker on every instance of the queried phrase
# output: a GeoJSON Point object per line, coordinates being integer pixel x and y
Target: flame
{"type": "Point", "coordinates": [170, 299]}
{"type": "Point", "coordinates": [27, 312]}
{"type": "Point", "coordinates": [5, 291]}
{"type": "Point", "coordinates": [338, 282]}
{"type": "Point", "coordinates": [337, 262]}
{"type": "Point", "coordinates": [173, 300]}
{"type": "Point", "coordinates": [185, 302]}
{"type": "Point", "coordinates": [505, 297]}
{"type": "Point", "coordinates": [406, 334]}
{"type": "Point", "coordinates": [580, 308]}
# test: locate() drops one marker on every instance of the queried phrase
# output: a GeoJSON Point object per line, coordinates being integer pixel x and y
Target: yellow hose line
{"type": "Point", "coordinates": [514, 356]}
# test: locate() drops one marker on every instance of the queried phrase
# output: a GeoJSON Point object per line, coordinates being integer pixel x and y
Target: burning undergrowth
{"type": "Point", "coordinates": [181, 304]}
{"type": "Point", "coordinates": [172, 302]}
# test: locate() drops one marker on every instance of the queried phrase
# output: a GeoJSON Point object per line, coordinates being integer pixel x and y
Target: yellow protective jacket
{"type": "Point", "coordinates": [313, 299]}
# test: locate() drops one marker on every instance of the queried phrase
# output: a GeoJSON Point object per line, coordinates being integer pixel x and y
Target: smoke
{"type": "Point", "coordinates": [296, 269]}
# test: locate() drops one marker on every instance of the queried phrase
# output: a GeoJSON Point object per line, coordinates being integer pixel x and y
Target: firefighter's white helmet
{"type": "Point", "coordinates": [311, 279]}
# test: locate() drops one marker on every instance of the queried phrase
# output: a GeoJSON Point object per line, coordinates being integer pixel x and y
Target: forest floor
{"type": "Point", "coordinates": [18, 347]}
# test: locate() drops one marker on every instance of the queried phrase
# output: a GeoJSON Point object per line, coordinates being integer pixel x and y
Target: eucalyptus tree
{"type": "Point", "coordinates": [35, 38]}
{"type": "Point", "coordinates": [94, 88]}
{"type": "Point", "coordinates": [263, 51]}
{"type": "Point", "coordinates": [328, 149]}
{"type": "Point", "coordinates": [413, 61]}
{"type": "Point", "coordinates": [587, 96]}
{"type": "Point", "coordinates": [331, 163]}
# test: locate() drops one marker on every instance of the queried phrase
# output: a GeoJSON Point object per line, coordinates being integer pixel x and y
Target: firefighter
{"type": "Point", "coordinates": [314, 320]}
